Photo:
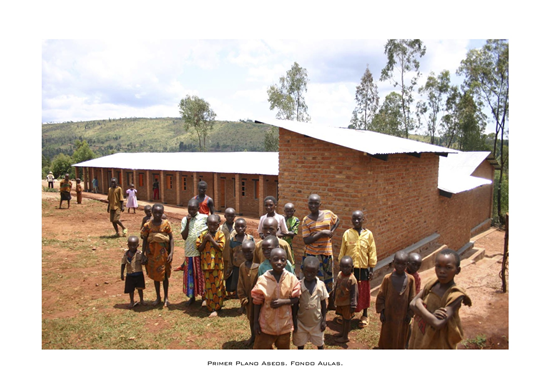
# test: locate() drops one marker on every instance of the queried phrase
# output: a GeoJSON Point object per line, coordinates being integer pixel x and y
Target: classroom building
{"type": "Point", "coordinates": [415, 195]}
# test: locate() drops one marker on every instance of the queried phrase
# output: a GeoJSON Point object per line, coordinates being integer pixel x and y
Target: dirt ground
{"type": "Point", "coordinates": [485, 323]}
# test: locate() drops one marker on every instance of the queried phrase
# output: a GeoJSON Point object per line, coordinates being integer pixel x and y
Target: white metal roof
{"type": "Point", "coordinates": [373, 143]}
{"type": "Point", "coordinates": [455, 171]}
{"type": "Point", "coordinates": [264, 163]}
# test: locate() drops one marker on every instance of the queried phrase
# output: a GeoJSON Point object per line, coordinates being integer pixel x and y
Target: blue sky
{"type": "Point", "coordinates": [114, 78]}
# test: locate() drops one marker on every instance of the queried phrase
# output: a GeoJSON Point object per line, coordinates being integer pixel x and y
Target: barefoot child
{"type": "Point", "coordinates": [210, 244]}
{"type": "Point", "coordinates": [345, 296]}
{"type": "Point", "coordinates": [437, 322]}
{"type": "Point", "coordinates": [413, 265]}
{"type": "Point", "coordinates": [236, 256]}
{"type": "Point", "coordinates": [392, 302]}
{"type": "Point", "coordinates": [358, 243]}
{"type": "Point", "coordinates": [65, 187]}
{"type": "Point", "coordinates": [292, 225]}
{"type": "Point", "coordinates": [115, 207]}
{"type": "Point", "coordinates": [310, 321]}
{"type": "Point", "coordinates": [158, 249]}
{"type": "Point", "coordinates": [148, 215]}
{"type": "Point", "coordinates": [206, 204]}
{"type": "Point", "coordinates": [78, 191]}
{"type": "Point", "coordinates": [273, 295]}
{"type": "Point", "coordinates": [192, 226]}
{"type": "Point", "coordinates": [248, 275]}
{"type": "Point", "coordinates": [270, 204]}
{"type": "Point", "coordinates": [132, 261]}
{"type": "Point", "coordinates": [131, 201]}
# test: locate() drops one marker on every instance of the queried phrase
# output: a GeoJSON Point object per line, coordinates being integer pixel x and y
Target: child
{"type": "Point", "coordinates": [358, 243]}
{"type": "Point", "coordinates": [317, 230]}
{"type": "Point", "coordinates": [236, 257]}
{"type": "Point", "coordinates": [268, 244]}
{"type": "Point", "coordinates": [95, 184]}
{"type": "Point", "coordinates": [310, 321]}
{"type": "Point", "coordinates": [132, 261]}
{"type": "Point", "coordinates": [156, 188]}
{"type": "Point", "coordinates": [227, 228]}
{"type": "Point", "coordinates": [292, 224]}
{"type": "Point", "coordinates": [115, 207]}
{"type": "Point", "coordinates": [78, 191]}
{"type": "Point", "coordinates": [158, 249]}
{"type": "Point", "coordinates": [131, 202]}
{"type": "Point", "coordinates": [270, 229]}
{"type": "Point", "coordinates": [345, 297]}
{"type": "Point", "coordinates": [210, 244]}
{"type": "Point", "coordinates": [148, 215]}
{"type": "Point", "coordinates": [392, 302]}
{"type": "Point", "coordinates": [192, 226]}
{"type": "Point", "coordinates": [273, 295]}
{"type": "Point", "coordinates": [270, 204]}
{"type": "Point", "coordinates": [437, 322]}
{"type": "Point", "coordinates": [248, 275]}
{"type": "Point", "coordinates": [206, 204]}
{"type": "Point", "coordinates": [65, 187]}
{"type": "Point", "coordinates": [413, 265]}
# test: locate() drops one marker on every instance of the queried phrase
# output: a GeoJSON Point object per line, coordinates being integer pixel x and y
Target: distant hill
{"type": "Point", "coordinates": [148, 135]}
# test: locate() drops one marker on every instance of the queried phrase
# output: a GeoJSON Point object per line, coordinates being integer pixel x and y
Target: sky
{"type": "Point", "coordinates": [116, 78]}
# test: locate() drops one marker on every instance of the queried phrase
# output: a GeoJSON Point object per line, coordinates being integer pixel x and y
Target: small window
{"type": "Point", "coordinates": [169, 181]}
{"type": "Point", "coordinates": [243, 188]}
{"type": "Point", "coordinates": [184, 182]}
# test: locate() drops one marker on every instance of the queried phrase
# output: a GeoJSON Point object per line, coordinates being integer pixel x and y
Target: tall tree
{"type": "Point", "coordinates": [389, 118]}
{"type": "Point", "coordinates": [435, 90]}
{"type": "Point", "coordinates": [288, 96]}
{"type": "Point", "coordinates": [403, 55]}
{"type": "Point", "coordinates": [197, 115]}
{"type": "Point", "coordinates": [82, 152]}
{"type": "Point", "coordinates": [366, 97]}
{"type": "Point", "coordinates": [486, 74]}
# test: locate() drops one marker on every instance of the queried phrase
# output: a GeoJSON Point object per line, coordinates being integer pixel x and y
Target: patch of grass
{"type": "Point", "coordinates": [49, 189]}
{"type": "Point", "coordinates": [479, 342]}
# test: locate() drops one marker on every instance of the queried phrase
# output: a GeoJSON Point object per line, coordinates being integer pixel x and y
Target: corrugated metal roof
{"type": "Point", "coordinates": [372, 143]}
{"type": "Point", "coordinates": [455, 171]}
{"type": "Point", "coordinates": [264, 163]}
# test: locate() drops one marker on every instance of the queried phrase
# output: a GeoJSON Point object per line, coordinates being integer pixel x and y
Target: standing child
{"type": "Point", "coordinates": [65, 187]}
{"type": "Point", "coordinates": [206, 204]}
{"type": "Point", "coordinates": [273, 295]}
{"type": "Point", "coordinates": [270, 204]}
{"type": "Point", "coordinates": [248, 276]}
{"type": "Point", "coordinates": [413, 265]}
{"type": "Point", "coordinates": [345, 296]}
{"type": "Point", "coordinates": [358, 243]}
{"type": "Point", "coordinates": [268, 244]}
{"type": "Point", "coordinates": [156, 190]}
{"type": "Point", "coordinates": [292, 225]}
{"type": "Point", "coordinates": [78, 191]}
{"type": "Point", "coordinates": [236, 256]}
{"type": "Point", "coordinates": [192, 226]}
{"type": "Point", "coordinates": [210, 244]}
{"type": "Point", "coordinates": [270, 229]}
{"type": "Point", "coordinates": [132, 261]}
{"type": "Point", "coordinates": [158, 249]}
{"type": "Point", "coordinates": [148, 215]}
{"type": "Point", "coordinates": [437, 322]}
{"type": "Point", "coordinates": [50, 178]}
{"type": "Point", "coordinates": [392, 302]}
{"type": "Point", "coordinates": [131, 195]}
{"type": "Point", "coordinates": [311, 319]}
{"type": "Point", "coordinates": [115, 207]}
{"type": "Point", "coordinates": [227, 228]}
{"type": "Point", "coordinates": [95, 184]}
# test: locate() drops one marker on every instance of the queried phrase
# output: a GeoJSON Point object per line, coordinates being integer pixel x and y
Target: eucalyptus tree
{"type": "Point", "coordinates": [197, 114]}
{"type": "Point", "coordinates": [366, 97]}
{"type": "Point", "coordinates": [435, 90]}
{"type": "Point", "coordinates": [289, 96]}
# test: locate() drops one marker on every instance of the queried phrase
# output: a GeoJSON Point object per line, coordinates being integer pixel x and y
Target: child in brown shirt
{"type": "Point", "coordinates": [345, 296]}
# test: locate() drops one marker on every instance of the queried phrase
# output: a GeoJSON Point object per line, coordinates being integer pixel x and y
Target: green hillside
{"type": "Point", "coordinates": [148, 135]}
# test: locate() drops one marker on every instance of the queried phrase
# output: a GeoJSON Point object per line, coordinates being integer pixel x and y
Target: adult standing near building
{"type": "Point", "coordinates": [317, 230]}
{"type": "Point", "coordinates": [50, 178]}
{"type": "Point", "coordinates": [115, 206]}
{"type": "Point", "coordinates": [95, 184]}
{"type": "Point", "coordinates": [65, 187]}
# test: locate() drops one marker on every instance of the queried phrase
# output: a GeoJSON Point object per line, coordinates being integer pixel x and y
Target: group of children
{"type": "Point", "coordinates": [223, 261]}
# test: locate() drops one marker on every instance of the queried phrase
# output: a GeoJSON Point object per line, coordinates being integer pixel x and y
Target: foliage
{"type": "Point", "coordinates": [366, 97]}
{"type": "Point", "coordinates": [197, 114]}
{"type": "Point", "coordinates": [61, 165]}
{"type": "Point", "coordinates": [435, 89]}
{"type": "Point", "coordinates": [479, 342]}
{"type": "Point", "coordinates": [82, 152]}
{"type": "Point", "coordinates": [389, 118]}
{"type": "Point", "coordinates": [403, 55]}
{"type": "Point", "coordinates": [288, 96]}
{"type": "Point", "coordinates": [49, 189]}
{"type": "Point", "coordinates": [271, 142]}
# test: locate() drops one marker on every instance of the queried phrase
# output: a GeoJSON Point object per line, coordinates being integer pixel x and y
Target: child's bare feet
{"type": "Point", "coordinates": [166, 303]}
{"type": "Point", "coordinates": [156, 302]}
{"type": "Point", "coordinates": [190, 302]}
{"type": "Point", "coordinates": [341, 339]}
{"type": "Point", "coordinates": [249, 341]}
{"type": "Point", "coordinates": [213, 314]}
{"type": "Point", "coordinates": [135, 304]}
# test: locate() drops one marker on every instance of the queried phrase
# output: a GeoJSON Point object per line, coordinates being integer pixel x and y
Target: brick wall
{"type": "Point", "coordinates": [398, 195]}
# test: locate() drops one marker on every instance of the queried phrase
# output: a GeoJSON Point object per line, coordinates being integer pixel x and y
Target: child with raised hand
{"type": "Point", "coordinates": [292, 225]}
{"type": "Point", "coordinates": [158, 249]}
{"type": "Point", "coordinates": [236, 256]}
{"type": "Point", "coordinates": [436, 307]}
{"type": "Point", "coordinates": [268, 244]}
{"type": "Point", "coordinates": [345, 297]}
{"type": "Point", "coordinates": [270, 205]}
{"type": "Point", "coordinates": [392, 302]}
{"type": "Point", "coordinates": [248, 275]}
{"type": "Point", "coordinates": [131, 201]}
{"type": "Point", "coordinates": [133, 261]}
{"type": "Point", "coordinates": [192, 225]}
{"type": "Point", "coordinates": [413, 265]}
{"type": "Point", "coordinates": [148, 215]}
{"type": "Point", "coordinates": [273, 295]}
{"type": "Point", "coordinates": [310, 320]}
{"type": "Point", "coordinates": [210, 244]}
